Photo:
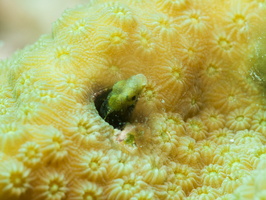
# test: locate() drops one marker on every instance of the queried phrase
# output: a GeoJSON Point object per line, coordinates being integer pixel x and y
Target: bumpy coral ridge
{"type": "Point", "coordinates": [198, 129]}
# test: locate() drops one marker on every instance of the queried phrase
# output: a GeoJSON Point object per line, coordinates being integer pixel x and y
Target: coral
{"type": "Point", "coordinates": [212, 175]}
{"type": "Point", "coordinates": [224, 45]}
{"type": "Point", "coordinates": [235, 163]}
{"type": "Point", "coordinates": [144, 195]}
{"type": "Point", "coordinates": [191, 51]}
{"type": "Point", "coordinates": [164, 136]}
{"type": "Point", "coordinates": [118, 15]}
{"type": "Point", "coordinates": [154, 172]}
{"type": "Point", "coordinates": [221, 136]}
{"type": "Point", "coordinates": [30, 154]}
{"type": "Point", "coordinates": [196, 20]}
{"type": "Point", "coordinates": [206, 148]}
{"type": "Point", "coordinates": [187, 151]}
{"type": "Point", "coordinates": [113, 40]}
{"type": "Point", "coordinates": [184, 176]}
{"type": "Point", "coordinates": [212, 69]}
{"type": "Point", "coordinates": [171, 7]}
{"type": "Point", "coordinates": [195, 130]}
{"type": "Point", "coordinates": [50, 184]}
{"type": "Point", "coordinates": [124, 188]}
{"type": "Point", "coordinates": [254, 186]}
{"type": "Point", "coordinates": [204, 192]}
{"type": "Point", "coordinates": [164, 27]}
{"type": "Point", "coordinates": [259, 121]}
{"type": "Point", "coordinates": [233, 180]}
{"type": "Point", "coordinates": [248, 137]}
{"type": "Point", "coordinates": [12, 135]}
{"type": "Point", "coordinates": [191, 102]}
{"type": "Point", "coordinates": [170, 191]}
{"type": "Point", "coordinates": [119, 165]}
{"type": "Point", "coordinates": [213, 119]}
{"type": "Point", "coordinates": [144, 43]}
{"type": "Point", "coordinates": [239, 119]}
{"type": "Point", "coordinates": [226, 96]}
{"type": "Point", "coordinates": [53, 145]}
{"type": "Point", "coordinates": [83, 189]}
{"type": "Point", "coordinates": [222, 152]}
{"type": "Point", "coordinates": [16, 180]}
{"type": "Point", "coordinates": [174, 77]}
{"type": "Point", "coordinates": [239, 18]}
{"type": "Point", "coordinates": [92, 165]}
{"type": "Point", "coordinates": [257, 154]}
{"type": "Point", "coordinates": [86, 131]}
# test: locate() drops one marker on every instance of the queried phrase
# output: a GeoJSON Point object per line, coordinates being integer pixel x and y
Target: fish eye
{"type": "Point", "coordinates": [133, 98]}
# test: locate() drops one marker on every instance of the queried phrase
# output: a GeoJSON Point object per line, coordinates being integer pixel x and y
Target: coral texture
{"type": "Point", "coordinates": [198, 128]}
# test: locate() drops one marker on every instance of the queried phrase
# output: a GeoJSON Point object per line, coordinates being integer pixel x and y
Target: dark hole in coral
{"type": "Point", "coordinates": [117, 119]}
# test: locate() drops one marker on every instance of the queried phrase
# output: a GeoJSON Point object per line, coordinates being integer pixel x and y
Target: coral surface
{"type": "Point", "coordinates": [198, 130]}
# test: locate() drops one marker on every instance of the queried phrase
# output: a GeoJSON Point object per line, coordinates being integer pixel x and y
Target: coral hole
{"type": "Point", "coordinates": [116, 119]}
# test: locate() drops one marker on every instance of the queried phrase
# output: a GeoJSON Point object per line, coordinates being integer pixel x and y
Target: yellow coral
{"type": "Point", "coordinates": [50, 184]}
{"type": "Point", "coordinates": [92, 165]}
{"type": "Point", "coordinates": [119, 165]}
{"type": "Point", "coordinates": [212, 175]}
{"type": "Point", "coordinates": [184, 176]}
{"type": "Point", "coordinates": [197, 130]}
{"type": "Point", "coordinates": [204, 192]}
{"type": "Point", "coordinates": [213, 119]}
{"type": "Point", "coordinates": [170, 191]}
{"type": "Point", "coordinates": [221, 136]}
{"type": "Point", "coordinates": [30, 154]}
{"type": "Point", "coordinates": [16, 180]}
{"type": "Point", "coordinates": [12, 135]}
{"type": "Point", "coordinates": [254, 186]}
{"type": "Point", "coordinates": [259, 121]}
{"type": "Point", "coordinates": [124, 188]}
{"type": "Point", "coordinates": [239, 119]}
{"type": "Point", "coordinates": [154, 172]}
{"type": "Point", "coordinates": [205, 148]}
{"type": "Point", "coordinates": [83, 189]}
{"type": "Point", "coordinates": [188, 152]}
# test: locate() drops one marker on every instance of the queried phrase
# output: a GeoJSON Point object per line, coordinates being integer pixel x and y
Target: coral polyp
{"type": "Point", "coordinates": [154, 100]}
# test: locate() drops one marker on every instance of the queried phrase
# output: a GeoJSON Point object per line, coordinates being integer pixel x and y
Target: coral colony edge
{"type": "Point", "coordinates": [190, 77]}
